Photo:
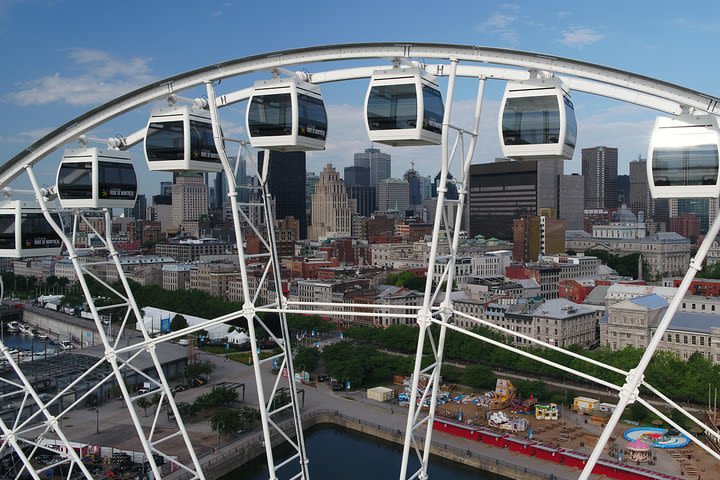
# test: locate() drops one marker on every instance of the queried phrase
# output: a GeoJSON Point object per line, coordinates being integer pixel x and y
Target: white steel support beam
{"type": "Point", "coordinates": [110, 352]}
{"type": "Point", "coordinates": [424, 316]}
{"type": "Point", "coordinates": [249, 311]}
{"type": "Point", "coordinates": [629, 391]}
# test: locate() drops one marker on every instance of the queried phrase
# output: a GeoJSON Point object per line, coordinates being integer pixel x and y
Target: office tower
{"type": "Point", "coordinates": [452, 191]}
{"type": "Point", "coordinates": [599, 169]}
{"type": "Point", "coordinates": [162, 200]}
{"type": "Point", "coordinates": [166, 187]}
{"type": "Point", "coordinates": [189, 202]}
{"type": "Point", "coordinates": [570, 208]}
{"type": "Point", "coordinates": [623, 189]}
{"type": "Point", "coordinates": [286, 184]}
{"type": "Point", "coordinates": [377, 162]}
{"type": "Point", "coordinates": [393, 195]}
{"type": "Point", "coordinates": [639, 199]}
{"type": "Point", "coordinates": [536, 235]}
{"type": "Point", "coordinates": [700, 207]}
{"type": "Point", "coordinates": [506, 190]}
{"type": "Point", "coordinates": [332, 209]}
{"type": "Point", "coordinates": [311, 180]}
{"type": "Point", "coordinates": [357, 176]}
{"type": "Point", "coordinates": [414, 186]}
{"type": "Point", "coordinates": [242, 181]}
{"type": "Point", "coordinates": [426, 187]}
{"type": "Point", "coordinates": [139, 211]}
{"type": "Point", "coordinates": [220, 191]}
{"type": "Point", "coordinates": [365, 197]}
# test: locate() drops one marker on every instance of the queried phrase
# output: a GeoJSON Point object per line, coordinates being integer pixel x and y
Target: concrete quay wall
{"type": "Point", "coordinates": [61, 326]}
{"type": "Point", "coordinates": [237, 454]}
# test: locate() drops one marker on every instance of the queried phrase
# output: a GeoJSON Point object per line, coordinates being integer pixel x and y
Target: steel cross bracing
{"type": "Point", "coordinates": [148, 435]}
{"type": "Point", "coordinates": [270, 409]}
{"type": "Point", "coordinates": [437, 307]}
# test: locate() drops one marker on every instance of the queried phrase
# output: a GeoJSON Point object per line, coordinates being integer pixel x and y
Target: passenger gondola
{"type": "Point", "coordinates": [95, 178]}
{"type": "Point", "coordinates": [24, 232]}
{"type": "Point", "coordinates": [404, 106]}
{"type": "Point", "coordinates": [179, 138]}
{"type": "Point", "coordinates": [537, 121]}
{"type": "Point", "coordinates": [683, 157]}
{"type": "Point", "coordinates": [286, 114]}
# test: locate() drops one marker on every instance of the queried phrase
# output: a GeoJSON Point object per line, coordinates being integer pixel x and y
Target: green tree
{"type": "Point", "coordinates": [225, 421]}
{"type": "Point", "coordinates": [199, 368]}
{"type": "Point", "coordinates": [178, 323]}
{"type": "Point", "coordinates": [144, 403]}
{"type": "Point", "coordinates": [306, 358]}
{"type": "Point", "coordinates": [479, 376]}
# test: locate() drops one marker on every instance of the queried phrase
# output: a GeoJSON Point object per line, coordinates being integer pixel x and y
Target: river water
{"type": "Point", "coordinates": [336, 453]}
{"type": "Point", "coordinates": [26, 342]}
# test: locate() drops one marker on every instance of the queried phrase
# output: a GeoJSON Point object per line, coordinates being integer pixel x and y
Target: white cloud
{"type": "Point", "coordinates": [579, 37]}
{"type": "Point", "coordinates": [499, 21]}
{"type": "Point", "coordinates": [26, 137]}
{"type": "Point", "coordinates": [102, 78]}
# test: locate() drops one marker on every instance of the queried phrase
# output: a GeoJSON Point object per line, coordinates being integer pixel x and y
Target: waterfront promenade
{"type": "Point", "coordinates": [321, 405]}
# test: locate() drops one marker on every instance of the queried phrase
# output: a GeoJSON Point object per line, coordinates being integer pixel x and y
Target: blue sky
{"type": "Point", "coordinates": [64, 57]}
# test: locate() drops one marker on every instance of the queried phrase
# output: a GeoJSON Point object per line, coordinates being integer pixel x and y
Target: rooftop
{"type": "Point", "coordinates": [695, 322]}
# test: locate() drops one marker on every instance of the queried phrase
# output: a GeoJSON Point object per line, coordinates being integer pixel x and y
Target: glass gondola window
{"type": "Point", "coordinates": [165, 141]}
{"type": "Point", "coordinates": [570, 123]}
{"type": "Point", "coordinates": [116, 181]}
{"type": "Point", "coordinates": [75, 180]}
{"type": "Point", "coordinates": [392, 107]}
{"type": "Point", "coordinates": [312, 118]}
{"type": "Point", "coordinates": [270, 115]}
{"type": "Point", "coordinates": [531, 120]}
{"type": "Point", "coordinates": [7, 232]}
{"type": "Point", "coordinates": [36, 232]}
{"type": "Point", "coordinates": [685, 165]}
{"type": "Point", "coordinates": [202, 142]}
{"type": "Point", "coordinates": [433, 109]}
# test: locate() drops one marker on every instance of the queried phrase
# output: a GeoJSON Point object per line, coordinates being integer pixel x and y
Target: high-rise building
{"type": "Point", "coordinates": [377, 162]}
{"type": "Point", "coordinates": [166, 187]}
{"type": "Point", "coordinates": [426, 187]}
{"type": "Point", "coordinates": [623, 189]}
{"type": "Point", "coordinates": [700, 207]}
{"type": "Point", "coordinates": [286, 184]}
{"type": "Point", "coordinates": [414, 186]}
{"type": "Point", "coordinates": [600, 171]}
{"type": "Point", "coordinates": [640, 199]}
{"type": "Point", "coordinates": [537, 235]}
{"type": "Point", "coordinates": [190, 202]}
{"type": "Point", "coordinates": [506, 190]}
{"type": "Point", "coordinates": [365, 197]}
{"type": "Point", "coordinates": [570, 209]}
{"type": "Point", "coordinates": [311, 180]}
{"type": "Point", "coordinates": [220, 191]}
{"type": "Point", "coordinates": [452, 191]}
{"type": "Point", "coordinates": [139, 211]}
{"type": "Point", "coordinates": [332, 209]}
{"type": "Point", "coordinates": [393, 195]}
{"type": "Point", "coordinates": [357, 176]}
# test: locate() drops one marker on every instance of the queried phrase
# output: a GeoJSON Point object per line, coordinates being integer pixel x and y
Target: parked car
{"type": "Point", "coordinates": [337, 386]}
{"type": "Point", "coordinates": [178, 388]}
{"type": "Point", "coordinates": [322, 378]}
{"type": "Point", "coordinates": [197, 382]}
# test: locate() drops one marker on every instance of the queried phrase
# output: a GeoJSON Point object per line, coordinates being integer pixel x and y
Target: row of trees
{"type": "Point", "coordinates": [682, 380]}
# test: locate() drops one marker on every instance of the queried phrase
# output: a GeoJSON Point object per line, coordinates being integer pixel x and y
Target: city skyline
{"type": "Point", "coordinates": [68, 79]}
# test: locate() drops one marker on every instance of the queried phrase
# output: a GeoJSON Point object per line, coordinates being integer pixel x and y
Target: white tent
{"type": "Point", "coordinates": [154, 318]}
{"type": "Point", "coordinates": [238, 338]}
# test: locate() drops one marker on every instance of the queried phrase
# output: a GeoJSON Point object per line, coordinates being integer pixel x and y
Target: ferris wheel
{"type": "Point", "coordinates": [404, 106]}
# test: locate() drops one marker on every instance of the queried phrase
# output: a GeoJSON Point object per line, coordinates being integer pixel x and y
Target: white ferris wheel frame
{"type": "Point", "coordinates": [481, 63]}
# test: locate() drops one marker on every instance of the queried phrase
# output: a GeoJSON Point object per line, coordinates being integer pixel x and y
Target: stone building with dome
{"type": "Point", "coordinates": [667, 253]}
